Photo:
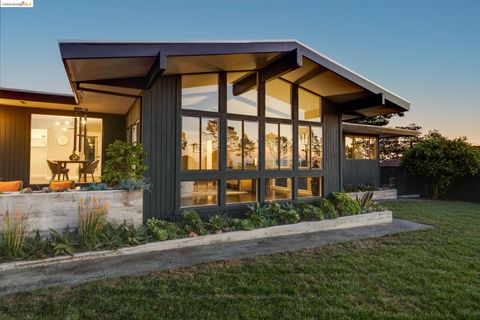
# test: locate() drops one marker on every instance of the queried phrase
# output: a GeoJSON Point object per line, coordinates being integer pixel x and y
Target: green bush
{"type": "Point", "coordinates": [191, 222]}
{"type": "Point", "coordinates": [63, 243]}
{"type": "Point", "coordinates": [124, 162]}
{"type": "Point", "coordinates": [344, 205]}
{"type": "Point", "coordinates": [309, 212]}
{"type": "Point", "coordinates": [361, 187]}
{"type": "Point", "coordinates": [135, 184]}
{"type": "Point", "coordinates": [283, 214]}
{"type": "Point", "coordinates": [243, 224]}
{"type": "Point", "coordinates": [439, 161]}
{"type": "Point", "coordinates": [36, 246]}
{"type": "Point", "coordinates": [259, 216]}
{"type": "Point", "coordinates": [219, 222]}
{"type": "Point", "coordinates": [327, 208]}
{"type": "Point", "coordinates": [163, 230]}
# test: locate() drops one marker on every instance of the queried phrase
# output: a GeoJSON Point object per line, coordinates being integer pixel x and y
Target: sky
{"type": "Point", "coordinates": [427, 52]}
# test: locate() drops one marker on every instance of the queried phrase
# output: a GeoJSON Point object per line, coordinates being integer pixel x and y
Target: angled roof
{"type": "Point", "coordinates": [36, 99]}
{"type": "Point", "coordinates": [90, 64]}
{"type": "Point", "coordinates": [383, 132]}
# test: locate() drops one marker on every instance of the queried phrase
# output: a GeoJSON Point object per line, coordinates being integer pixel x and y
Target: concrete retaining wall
{"type": "Point", "coordinates": [361, 220]}
{"type": "Point", "coordinates": [57, 210]}
{"type": "Point", "coordinates": [385, 194]}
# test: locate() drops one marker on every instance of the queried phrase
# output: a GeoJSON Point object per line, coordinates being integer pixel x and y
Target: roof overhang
{"type": "Point", "coordinates": [382, 132]}
{"type": "Point", "coordinates": [114, 74]}
{"type": "Point", "coordinates": [35, 99]}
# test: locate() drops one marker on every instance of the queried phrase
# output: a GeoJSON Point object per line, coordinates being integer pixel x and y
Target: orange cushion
{"type": "Point", "coordinates": [61, 185]}
{"type": "Point", "coordinates": [10, 186]}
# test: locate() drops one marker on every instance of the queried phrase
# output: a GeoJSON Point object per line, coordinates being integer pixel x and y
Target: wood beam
{"type": "Point", "coordinates": [286, 63]}
{"type": "Point", "coordinates": [79, 88]}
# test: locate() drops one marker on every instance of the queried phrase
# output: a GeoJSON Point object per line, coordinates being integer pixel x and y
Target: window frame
{"type": "Point", "coordinates": [222, 174]}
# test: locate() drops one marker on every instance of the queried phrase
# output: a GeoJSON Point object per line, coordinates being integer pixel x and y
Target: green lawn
{"type": "Point", "coordinates": [431, 274]}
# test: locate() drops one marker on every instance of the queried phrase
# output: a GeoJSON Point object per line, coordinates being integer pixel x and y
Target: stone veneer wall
{"type": "Point", "coordinates": [385, 194]}
{"type": "Point", "coordinates": [56, 210]}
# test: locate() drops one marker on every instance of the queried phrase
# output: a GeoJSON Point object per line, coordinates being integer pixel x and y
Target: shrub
{"type": "Point", "coordinates": [63, 243]}
{"type": "Point", "coordinates": [111, 237]}
{"type": "Point", "coordinates": [95, 187]}
{"type": "Point", "coordinates": [36, 246]}
{"type": "Point", "coordinates": [162, 229]}
{"type": "Point", "coordinates": [439, 161]}
{"type": "Point", "coordinates": [367, 204]}
{"type": "Point", "coordinates": [93, 217]}
{"type": "Point", "coordinates": [309, 212]}
{"type": "Point", "coordinates": [219, 222]}
{"type": "Point", "coordinates": [124, 162]}
{"type": "Point", "coordinates": [344, 205]}
{"type": "Point", "coordinates": [135, 184]}
{"type": "Point", "coordinates": [327, 208]}
{"type": "Point", "coordinates": [259, 216]}
{"type": "Point", "coordinates": [191, 222]}
{"type": "Point", "coordinates": [289, 214]}
{"type": "Point", "coordinates": [243, 224]}
{"type": "Point", "coordinates": [15, 233]}
{"type": "Point", "coordinates": [134, 235]}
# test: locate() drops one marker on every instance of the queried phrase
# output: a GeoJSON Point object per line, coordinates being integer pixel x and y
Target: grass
{"type": "Point", "coordinates": [426, 274]}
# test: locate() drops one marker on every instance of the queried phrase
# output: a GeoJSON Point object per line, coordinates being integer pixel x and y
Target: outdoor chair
{"type": "Point", "coordinates": [90, 169]}
{"type": "Point", "coordinates": [55, 168]}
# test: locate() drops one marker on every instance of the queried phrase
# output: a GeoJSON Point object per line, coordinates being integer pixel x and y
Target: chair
{"type": "Point", "coordinates": [55, 168]}
{"type": "Point", "coordinates": [90, 169]}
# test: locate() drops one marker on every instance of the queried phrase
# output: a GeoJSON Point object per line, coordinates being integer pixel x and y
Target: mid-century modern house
{"type": "Point", "coordinates": [224, 124]}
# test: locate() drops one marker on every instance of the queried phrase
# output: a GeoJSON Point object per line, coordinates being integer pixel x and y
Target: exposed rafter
{"type": "Point", "coordinates": [286, 63]}
{"type": "Point", "coordinates": [80, 88]}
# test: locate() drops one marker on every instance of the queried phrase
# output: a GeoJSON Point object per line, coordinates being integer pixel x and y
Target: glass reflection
{"type": "Point", "coordinates": [278, 189]}
{"type": "Point", "coordinates": [200, 92]}
{"type": "Point", "coordinates": [241, 191]}
{"type": "Point", "coordinates": [278, 97]}
{"type": "Point", "coordinates": [198, 193]}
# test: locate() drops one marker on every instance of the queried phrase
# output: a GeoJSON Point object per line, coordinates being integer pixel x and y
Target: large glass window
{"type": "Point", "coordinates": [242, 145]}
{"type": "Point", "coordinates": [241, 191]}
{"type": "Point", "coordinates": [309, 187]}
{"type": "Point", "coordinates": [241, 99]}
{"type": "Point", "coordinates": [199, 143]}
{"type": "Point", "coordinates": [309, 106]}
{"type": "Point", "coordinates": [360, 147]}
{"type": "Point", "coordinates": [310, 147]}
{"type": "Point", "coordinates": [200, 92]}
{"type": "Point", "coordinates": [198, 193]}
{"type": "Point", "coordinates": [278, 146]}
{"type": "Point", "coordinates": [278, 189]}
{"type": "Point", "coordinates": [278, 99]}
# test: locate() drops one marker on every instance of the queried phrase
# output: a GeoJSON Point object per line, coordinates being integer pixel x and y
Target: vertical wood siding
{"type": "Point", "coordinates": [356, 172]}
{"type": "Point", "coordinates": [332, 146]}
{"type": "Point", "coordinates": [159, 140]}
{"type": "Point", "coordinates": [14, 144]}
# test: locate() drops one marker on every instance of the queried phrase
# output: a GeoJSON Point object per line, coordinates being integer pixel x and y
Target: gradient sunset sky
{"type": "Point", "coordinates": [428, 52]}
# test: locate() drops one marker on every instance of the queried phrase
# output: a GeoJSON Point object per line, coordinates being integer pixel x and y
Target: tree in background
{"type": "Point", "coordinates": [394, 147]}
{"type": "Point", "coordinates": [377, 120]}
{"type": "Point", "coordinates": [439, 161]}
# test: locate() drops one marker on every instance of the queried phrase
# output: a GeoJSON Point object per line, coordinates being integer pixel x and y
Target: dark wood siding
{"type": "Point", "coordinates": [14, 144]}
{"type": "Point", "coordinates": [332, 146]}
{"type": "Point", "coordinates": [356, 172]}
{"type": "Point", "coordinates": [15, 129]}
{"type": "Point", "coordinates": [159, 140]}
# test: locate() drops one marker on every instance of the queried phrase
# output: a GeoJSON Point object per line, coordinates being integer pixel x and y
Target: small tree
{"type": "Point", "coordinates": [124, 161]}
{"type": "Point", "coordinates": [440, 161]}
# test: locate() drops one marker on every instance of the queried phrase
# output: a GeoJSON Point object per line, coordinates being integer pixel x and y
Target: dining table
{"type": "Point", "coordinates": [63, 164]}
